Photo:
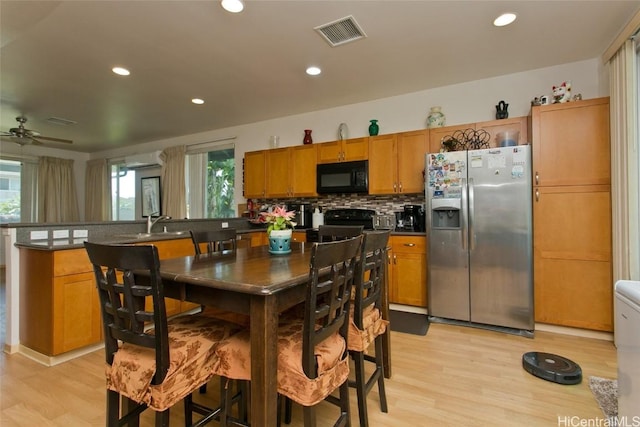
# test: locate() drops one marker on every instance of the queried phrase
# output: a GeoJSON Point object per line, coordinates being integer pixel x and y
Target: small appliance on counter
{"type": "Point", "coordinates": [303, 216]}
{"type": "Point", "coordinates": [317, 219]}
{"type": "Point", "coordinates": [413, 218]}
{"type": "Point", "coordinates": [384, 222]}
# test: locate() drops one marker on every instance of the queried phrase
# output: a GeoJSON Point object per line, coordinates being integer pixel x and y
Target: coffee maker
{"type": "Point", "coordinates": [303, 214]}
{"type": "Point", "coordinates": [414, 218]}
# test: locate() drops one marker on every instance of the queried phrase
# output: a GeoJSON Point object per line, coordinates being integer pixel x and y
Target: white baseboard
{"type": "Point", "coordinates": [408, 308]}
{"type": "Point", "coordinates": [55, 360]}
{"type": "Point", "coordinates": [565, 330]}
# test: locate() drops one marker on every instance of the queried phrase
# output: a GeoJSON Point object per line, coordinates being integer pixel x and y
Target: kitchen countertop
{"type": "Point", "coordinates": [72, 242]}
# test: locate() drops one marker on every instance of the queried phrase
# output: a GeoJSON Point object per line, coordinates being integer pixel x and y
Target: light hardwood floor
{"type": "Point", "coordinates": [453, 376]}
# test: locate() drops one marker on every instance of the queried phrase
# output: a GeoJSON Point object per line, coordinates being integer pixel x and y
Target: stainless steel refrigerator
{"type": "Point", "coordinates": [479, 231]}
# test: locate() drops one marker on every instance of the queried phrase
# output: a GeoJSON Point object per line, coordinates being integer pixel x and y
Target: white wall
{"type": "Point", "coordinates": [462, 103]}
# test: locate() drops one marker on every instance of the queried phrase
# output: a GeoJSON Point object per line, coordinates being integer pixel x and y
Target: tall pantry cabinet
{"type": "Point", "coordinates": [572, 214]}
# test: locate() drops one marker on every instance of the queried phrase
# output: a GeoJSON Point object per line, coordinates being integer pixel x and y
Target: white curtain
{"type": "Point", "coordinates": [28, 191]}
{"type": "Point", "coordinates": [173, 182]}
{"type": "Point", "coordinates": [624, 163]}
{"type": "Point", "coordinates": [57, 196]}
{"type": "Point", "coordinates": [196, 184]}
{"type": "Point", "coordinates": [97, 193]}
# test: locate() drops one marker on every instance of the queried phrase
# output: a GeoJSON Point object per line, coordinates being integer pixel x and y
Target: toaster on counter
{"type": "Point", "coordinates": [384, 222]}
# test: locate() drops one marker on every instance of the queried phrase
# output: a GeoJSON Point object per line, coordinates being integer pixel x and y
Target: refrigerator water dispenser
{"type": "Point", "coordinates": [445, 213]}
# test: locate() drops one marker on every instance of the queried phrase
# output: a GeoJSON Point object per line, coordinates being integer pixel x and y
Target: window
{"type": "Point", "coordinates": [123, 193]}
{"type": "Point", "coordinates": [9, 191]}
{"type": "Point", "coordinates": [210, 178]}
{"type": "Point", "coordinates": [18, 181]}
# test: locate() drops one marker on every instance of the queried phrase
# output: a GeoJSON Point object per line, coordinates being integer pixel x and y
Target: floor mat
{"type": "Point", "coordinates": [409, 323]}
{"type": "Point", "coordinates": [605, 392]}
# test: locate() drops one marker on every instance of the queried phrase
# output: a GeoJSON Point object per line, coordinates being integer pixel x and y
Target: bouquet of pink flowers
{"type": "Point", "coordinates": [278, 219]}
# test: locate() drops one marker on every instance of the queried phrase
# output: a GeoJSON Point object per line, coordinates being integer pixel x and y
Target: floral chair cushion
{"type": "Point", "coordinates": [192, 344]}
{"type": "Point", "coordinates": [374, 325]}
{"type": "Point", "coordinates": [234, 361]}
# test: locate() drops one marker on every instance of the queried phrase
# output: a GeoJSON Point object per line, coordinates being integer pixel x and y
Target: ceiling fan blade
{"type": "Point", "coordinates": [4, 133]}
{"type": "Point", "coordinates": [48, 138]}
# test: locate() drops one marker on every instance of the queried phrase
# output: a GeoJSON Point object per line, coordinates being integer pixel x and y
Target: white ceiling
{"type": "Point", "coordinates": [56, 58]}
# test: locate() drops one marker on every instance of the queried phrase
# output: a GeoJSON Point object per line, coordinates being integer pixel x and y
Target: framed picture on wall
{"type": "Point", "coordinates": [151, 196]}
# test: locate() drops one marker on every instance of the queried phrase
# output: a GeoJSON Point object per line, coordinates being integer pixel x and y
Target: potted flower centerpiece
{"type": "Point", "coordinates": [280, 228]}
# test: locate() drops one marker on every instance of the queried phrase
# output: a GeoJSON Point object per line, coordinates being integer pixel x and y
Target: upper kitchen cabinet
{"type": "Point", "coordinates": [571, 143]}
{"type": "Point", "coordinates": [492, 127]}
{"type": "Point", "coordinates": [291, 171]}
{"type": "Point", "coordinates": [345, 150]}
{"type": "Point", "coordinates": [396, 163]}
{"type": "Point", "coordinates": [515, 124]}
{"type": "Point", "coordinates": [437, 135]}
{"type": "Point", "coordinates": [254, 174]}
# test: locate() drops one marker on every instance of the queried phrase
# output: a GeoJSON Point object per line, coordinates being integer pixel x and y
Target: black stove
{"type": "Point", "coordinates": [344, 216]}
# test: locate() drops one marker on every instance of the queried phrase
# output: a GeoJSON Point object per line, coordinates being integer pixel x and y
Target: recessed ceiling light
{"type": "Point", "coordinates": [197, 101]}
{"type": "Point", "coordinates": [120, 71]}
{"type": "Point", "coordinates": [504, 19]}
{"type": "Point", "coordinates": [313, 71]}
{"type": "Point", "coordinates": [233, 6]}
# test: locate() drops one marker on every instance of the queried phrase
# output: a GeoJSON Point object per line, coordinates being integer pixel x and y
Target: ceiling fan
{"type": "Point", "coordinates": [23, 136]}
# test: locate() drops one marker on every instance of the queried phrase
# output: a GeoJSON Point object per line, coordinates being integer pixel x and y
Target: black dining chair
{"type": "Point", "coordinates": [152, 362]}
{"type": "Point", "coordinates": [313, 358]}
{"type": "Point", "coordinates": [366, 324]}
{"type": "Point", "coordinates": [331, 233]}
{"type": "Point", "coordinates": [215, 240]}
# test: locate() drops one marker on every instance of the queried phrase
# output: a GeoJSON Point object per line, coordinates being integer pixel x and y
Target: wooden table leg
{"type": "Point", "coordinates": [264, 360]}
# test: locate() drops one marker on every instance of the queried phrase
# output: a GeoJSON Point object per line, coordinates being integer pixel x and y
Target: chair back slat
{"type": "Point", "coordinates": [331, 233]}
{"type": "Point", "coordinates": [216, 240]}
{"type": "Point", "coordinates": [126, 276]}
{"type": "Point", "coordinates": [370, 273]}
{"type": "Point", "coordinates": [331, 278]}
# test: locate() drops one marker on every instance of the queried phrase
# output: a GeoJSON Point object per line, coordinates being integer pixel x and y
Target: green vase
{"type": "Point", "coordinates": [373, 128]}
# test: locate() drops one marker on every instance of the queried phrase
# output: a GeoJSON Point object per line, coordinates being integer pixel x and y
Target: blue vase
{"type": "Point", "coordinates": [280, 242]}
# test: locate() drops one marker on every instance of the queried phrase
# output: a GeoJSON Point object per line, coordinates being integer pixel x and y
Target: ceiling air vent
{"type": "Point", "coordinates": [59, 121]}
{"type": "Point", "coordinates": [342, 31]}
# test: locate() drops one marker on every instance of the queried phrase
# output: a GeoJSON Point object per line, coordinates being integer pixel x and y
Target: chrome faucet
{"type": "Point", "coordinates": [151, 223]}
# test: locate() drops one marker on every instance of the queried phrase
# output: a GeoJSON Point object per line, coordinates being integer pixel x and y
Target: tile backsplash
{"type": "Point", "coordinates": [381, 204]}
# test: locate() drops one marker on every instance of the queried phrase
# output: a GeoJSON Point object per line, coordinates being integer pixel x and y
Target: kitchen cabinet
{"type": "Point", "coordinates": [493, 127]}
{"type": "Point", "coordinates": [408, 270]}
{"type": "Point", "coordinates": [346, 150]}
{"type": "Point", "coordinates": [515, 124]}
{"type": "Point", "coordinates": [571, 143]}
{"type": "Point", "coordinates": [396, 162]}
{"type": "Point", "coordinates": [59, 306]}
{"type": "Point", "coordinates": [291, 171]}
{"type": "Point", "coordinates": [572, 215]}
{"type": "Point", "coordinates": [254, 174]}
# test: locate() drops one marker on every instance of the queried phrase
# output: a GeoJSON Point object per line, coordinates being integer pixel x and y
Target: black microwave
{"type": "Point", "coordinates": [344, 177]}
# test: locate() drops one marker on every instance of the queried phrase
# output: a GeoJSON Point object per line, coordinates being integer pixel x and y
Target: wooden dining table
{"type": "Point", "coordinates": [248, 281]}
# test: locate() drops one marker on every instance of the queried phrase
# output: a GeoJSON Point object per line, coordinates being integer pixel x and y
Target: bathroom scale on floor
{"type": "Point", "coordinates": [552, 367]}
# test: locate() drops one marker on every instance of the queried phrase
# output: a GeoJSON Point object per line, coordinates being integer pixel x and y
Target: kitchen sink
{"type": "Point", "coordinates": [151, 235]}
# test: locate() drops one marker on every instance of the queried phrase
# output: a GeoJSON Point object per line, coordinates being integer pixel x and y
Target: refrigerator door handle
{"type": "Point", "coordinates": [465, 217]}
{"type": "Point", "coordinates": [471, 213]}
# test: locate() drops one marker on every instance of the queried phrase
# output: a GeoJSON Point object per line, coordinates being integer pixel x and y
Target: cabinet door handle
{"type": "Point", "coordinates": [394, 187]}
{"type": "Point", "coordinates": [400, 188]}
{"type": "Point", "coordinates": [395, 260]}
{"type": "Point", "coordinates": [537, 194]}
{"type": "Point", "coordinates": [410, 244]}
{"type": "Point", "coordinates": [537, 178]}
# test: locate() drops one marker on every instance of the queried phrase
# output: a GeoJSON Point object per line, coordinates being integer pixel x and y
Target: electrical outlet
{"type": "Point", "coordinates": [80, 233]}
{"type": "Point", "coordinates": [60, 234]}
{"type": "Point", "coordinates": [225, 225]}
{"type": "Point", "coordinates": [39, 235]}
